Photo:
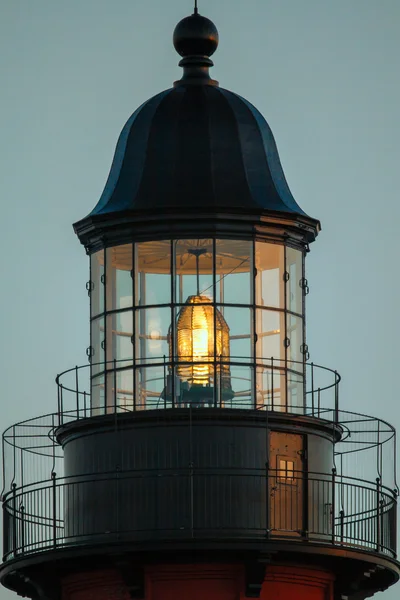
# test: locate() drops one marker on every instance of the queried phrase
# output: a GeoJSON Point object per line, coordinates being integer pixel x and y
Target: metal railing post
{"type": "Point", "coordinates": [61, 404]}
{"type": "Point", "coordinates": [77, 391]}
{"type": "Point", "coordinates": [58, 401]}
{"type": "Point", "coordinates": [378, 514]}
{"type": "Point", "coordinates": [333, 504]}
{"type": "Point", "coordinates": [267, 502]}
{"type": "Point", "coordinates": [341, 526]}
{"type": "Point", "coordinates": [22, 529]}
{"type": "Point", "coordinates": [6, 532]}
{"type": "Point", "coordinates": [336, 397]}
{"type": "Point", "coordinates": [14, 518]}
{"type": "Point", "coordinates": [312, 389]}
{"type": "Point", "coordinates": [393, 540]}
{"type": "Point", "coordinates": [54, 501]}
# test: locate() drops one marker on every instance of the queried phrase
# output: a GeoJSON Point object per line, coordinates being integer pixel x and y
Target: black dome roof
{"type": "Point", "coordinates": [195, 149]}
{"type": "Point", "coordinates": [196, 145]}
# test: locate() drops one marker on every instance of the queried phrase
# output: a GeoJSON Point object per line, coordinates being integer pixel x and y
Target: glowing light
{"type": "Point", "coordinates": [195, 341]}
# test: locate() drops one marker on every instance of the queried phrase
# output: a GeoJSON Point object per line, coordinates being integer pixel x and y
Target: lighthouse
{"type": "Point", "coordinates": [200, 452]}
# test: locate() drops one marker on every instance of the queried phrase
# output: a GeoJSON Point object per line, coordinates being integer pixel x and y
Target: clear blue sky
{"type": "Point", "coordinates": [325, 74]}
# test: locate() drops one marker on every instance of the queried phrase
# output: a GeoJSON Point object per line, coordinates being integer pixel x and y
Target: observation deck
{"type": "Point", "coordinates": [177, 497]}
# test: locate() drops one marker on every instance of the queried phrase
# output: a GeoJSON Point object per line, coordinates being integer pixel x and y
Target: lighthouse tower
{"type": "Point", "coordinates": [199, 454]}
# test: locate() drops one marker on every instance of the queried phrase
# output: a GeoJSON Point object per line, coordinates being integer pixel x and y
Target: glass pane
{"type": "Point", "coordinates": [98, 396]}
{"type": "Point", "coordinates": [152, 327]}
{"type": "Point", "coordinates": [118, 277]}
{"type": "Point", "coordinates": [270, 328]}
{"type": "Point", "coordinates": [271, 388]}
{"type": "Point", "coordinates": [97, 275]}
{"type": "Point", "coordinates": [294, 267]}
{"type": "Point", "coordinates": [153, 273]}
{"type": "Point", "coordinates": [119, 338]}
{"type": "Point", "coordinates": [242, 385]}
{"type": "Point", "coordinates": [239, 321]}
{"type": "Point", "coordinates": [269, 262]}
{"type": "Point", "coordinates": [97, 360]}
{"type": "Point", "coordinates": [151, 391]}
{"type": "Point", "coordinates": [233, 269]}
{"type": "Point", "coordinates": [295, 392]}
{"type": "Point", "coordinates": [295, 336]}
{"type": "Point", "coordinates": [124, 380]}
{"type": "Point", "coordinates": [193, 269]}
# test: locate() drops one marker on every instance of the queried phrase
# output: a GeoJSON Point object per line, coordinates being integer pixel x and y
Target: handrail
{"type": "Point", "coordinates": [36, 518]}
{"type": "Point", "coordinates": [105, 475]}
{"type": "Point", "coordinates": [77, 393]}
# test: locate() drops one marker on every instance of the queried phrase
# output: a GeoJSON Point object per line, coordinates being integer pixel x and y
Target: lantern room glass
{"type": "Point", "coordinates": [197, 323]}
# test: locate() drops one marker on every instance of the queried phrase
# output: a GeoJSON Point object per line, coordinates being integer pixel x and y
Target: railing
{"type": "Point", "coordinates": [188, 504]}
{"type": "Point", "coordinates": [269, 383]}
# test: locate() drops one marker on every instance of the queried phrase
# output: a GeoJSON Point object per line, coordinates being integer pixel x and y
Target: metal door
{"type": "Point", "coordinates": [286, 484]}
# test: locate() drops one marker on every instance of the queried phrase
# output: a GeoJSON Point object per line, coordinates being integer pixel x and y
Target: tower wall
{"type": "Point", "coordinates": [181, 475]}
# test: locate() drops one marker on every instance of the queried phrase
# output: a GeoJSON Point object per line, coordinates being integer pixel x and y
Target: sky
{"type": "Point", "coordinates": [323, 73]}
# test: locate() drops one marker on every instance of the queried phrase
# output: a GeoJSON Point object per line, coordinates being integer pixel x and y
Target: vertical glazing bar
{"type": "Point", "coordinates": [165, 381]}
{"type": "Point", "coordinates": [272, 383]}
{"type": "Point", "coordinates": [54, 497]}
{"type": "Point", "coordinates": [303, 298]}
{"type": "Point", "coordinates": [220, 381]}
{"type": "Point", "coordinates": [285, 276]}
{"type": "Point", "coordinates": [134, 279]}
{"type": "Point", "coordinates": [133, 339]}
{"type": "Point", "coordinates": [333, 492]}
{"type": "Point", "coordinates": [105, 308]}
{"type": "Point", "coordinates": [90, 355]}
{"type": "Point", "coordinates": [173, 329]}
{"type": "Point", "coordinates": [214, 295]}
{"type": "Point", "coordinates": [253, 274]}
{"type": "Point", "coordinates": [115, 385]}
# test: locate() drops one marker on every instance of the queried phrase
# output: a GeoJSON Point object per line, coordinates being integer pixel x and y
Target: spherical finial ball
{"type": "Point", "coordinates": [196, 35]}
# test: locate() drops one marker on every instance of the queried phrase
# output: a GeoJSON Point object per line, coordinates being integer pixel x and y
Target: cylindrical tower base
{"type": "Point", "coordinates": [201, 581]}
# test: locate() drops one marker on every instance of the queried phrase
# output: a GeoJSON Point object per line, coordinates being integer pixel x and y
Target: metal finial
{"type": "Point", "coordinates": [196, 39]}
{"type": "Point", "coordinates": [196, 8]}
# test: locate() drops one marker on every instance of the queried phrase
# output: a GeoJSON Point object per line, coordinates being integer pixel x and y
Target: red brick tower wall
{"type": "Point", "coordinates": [203, 582]}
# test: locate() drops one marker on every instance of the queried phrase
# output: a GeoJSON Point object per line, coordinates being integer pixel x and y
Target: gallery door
{"type": "Point", "coordinates": [286, 484]}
